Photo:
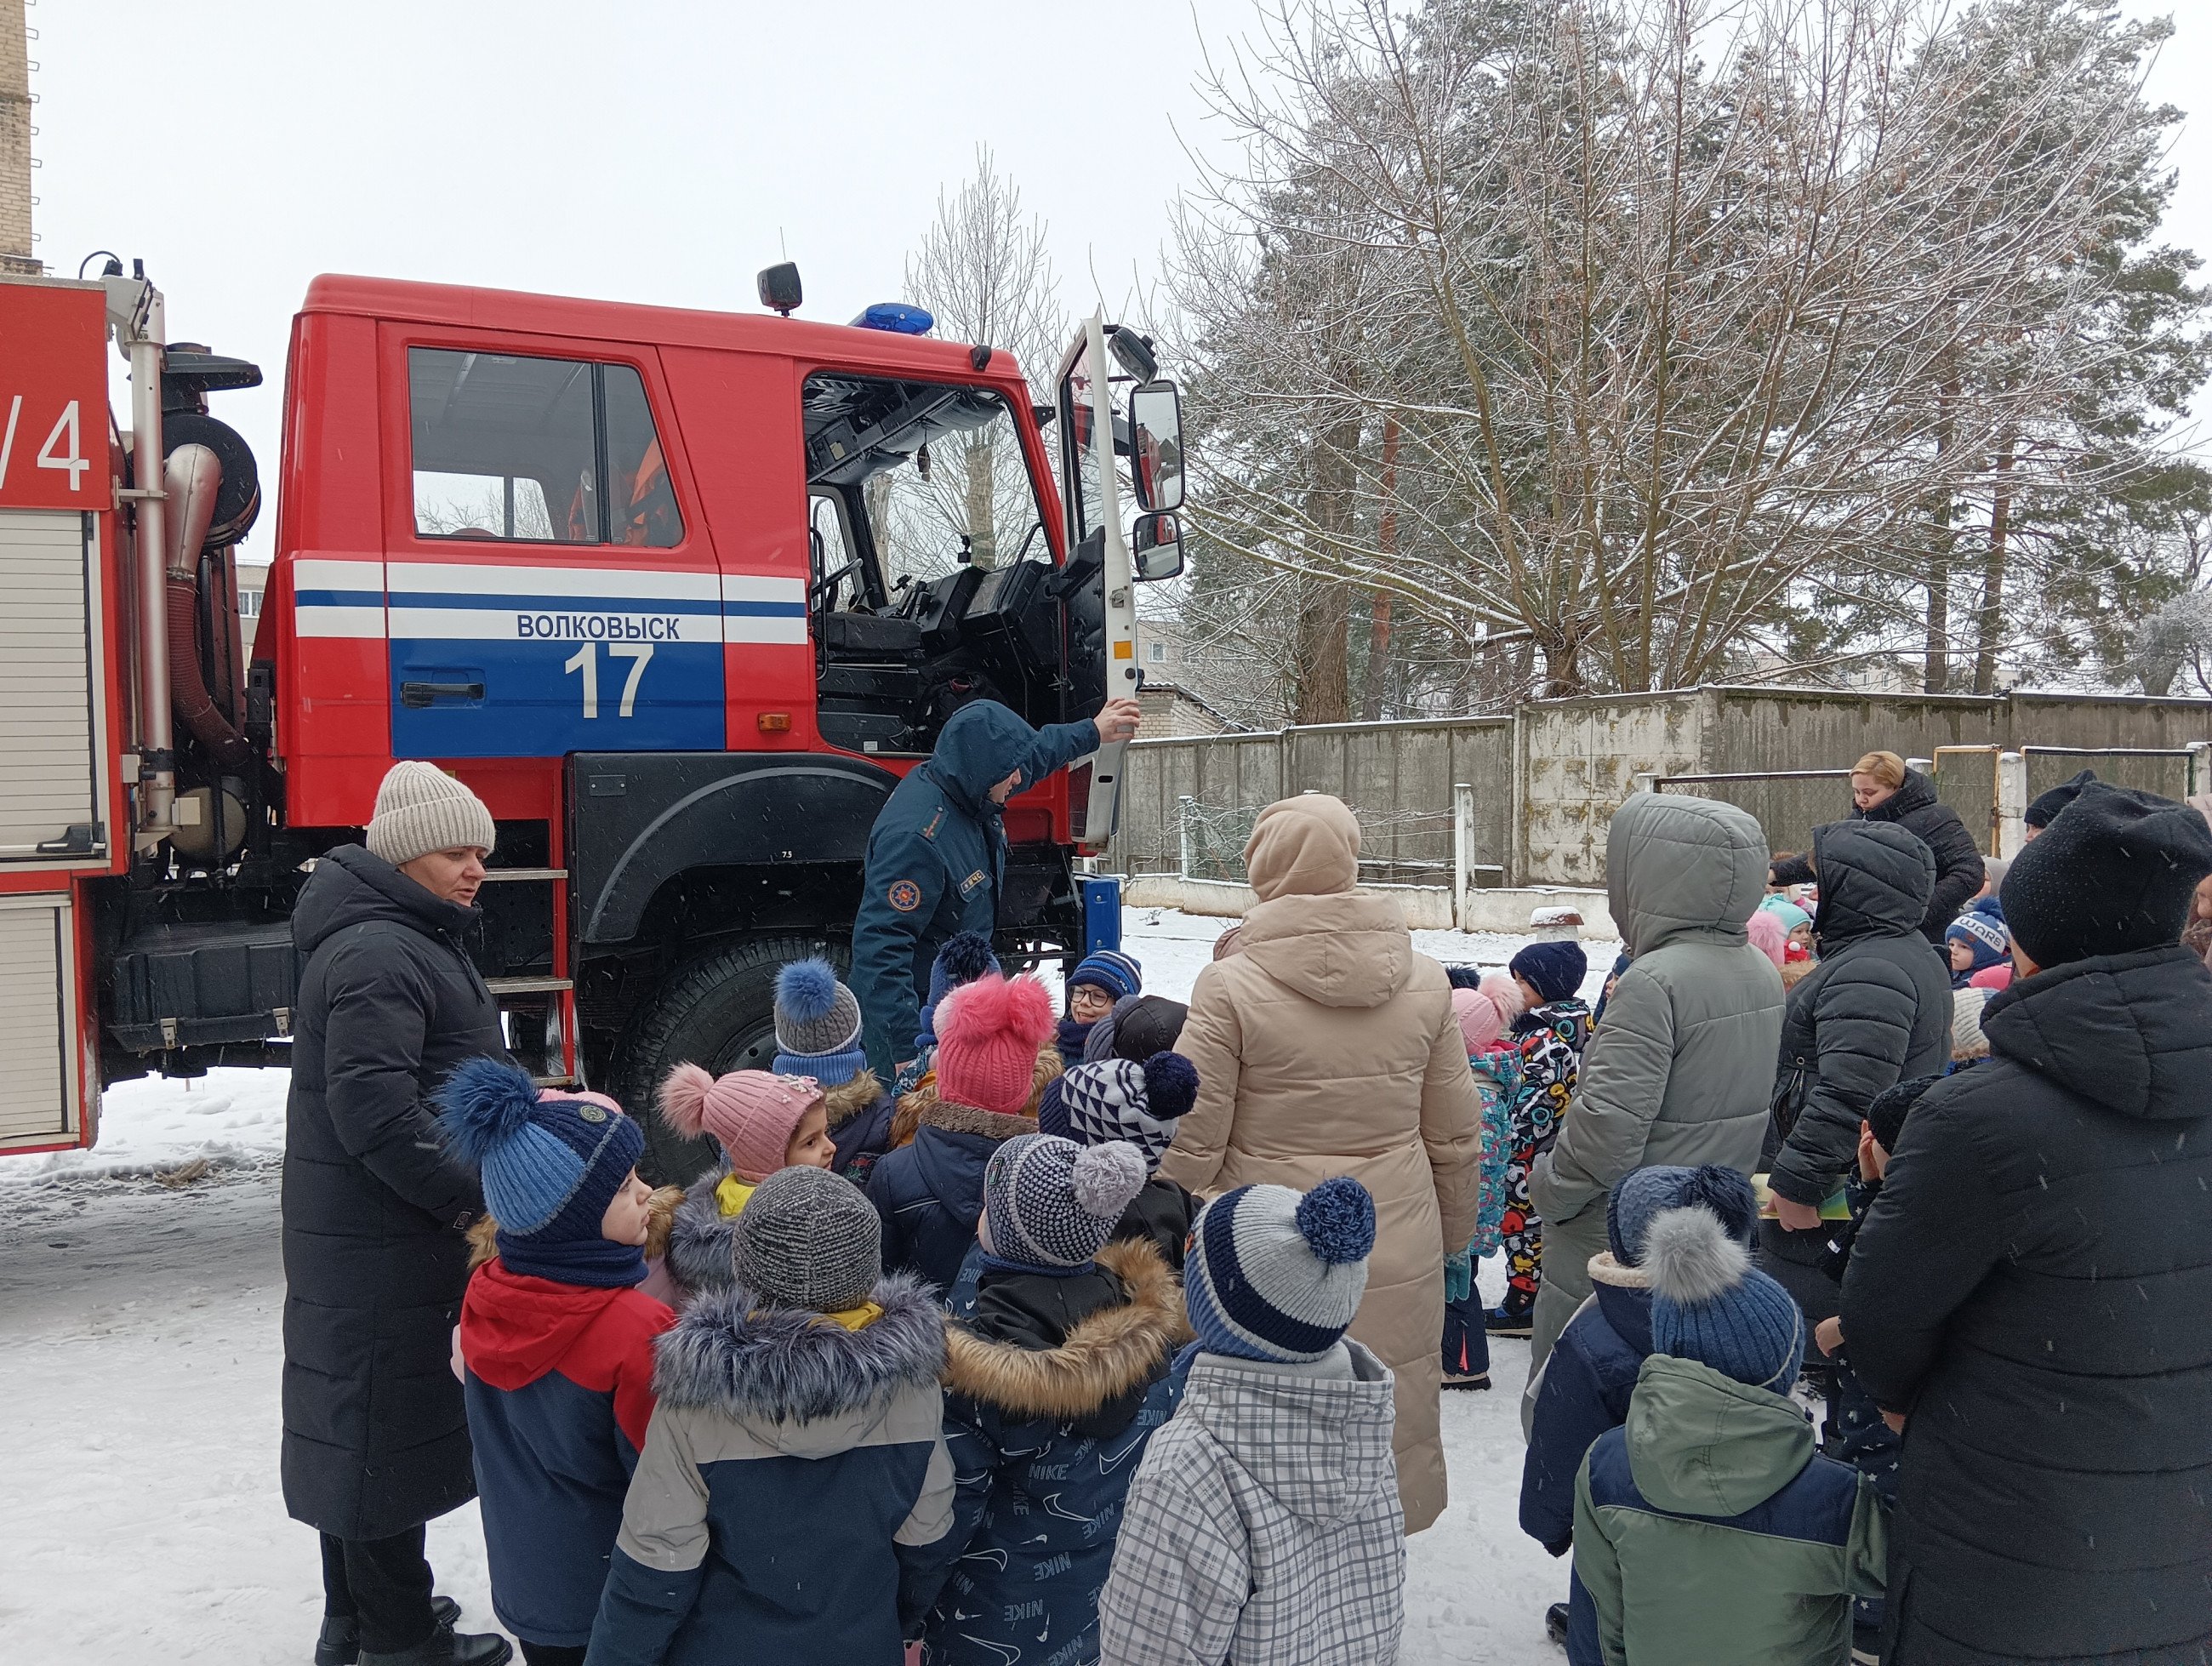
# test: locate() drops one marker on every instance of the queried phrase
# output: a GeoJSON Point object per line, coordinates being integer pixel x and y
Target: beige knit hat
{"type": "Point", "coordinates": [420, 808]}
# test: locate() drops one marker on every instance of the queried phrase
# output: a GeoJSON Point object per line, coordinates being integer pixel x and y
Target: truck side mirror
{"type": "Point", "coordinates": [1156, 446]}
{"type": "Point", "coordinates": [1156, 550]}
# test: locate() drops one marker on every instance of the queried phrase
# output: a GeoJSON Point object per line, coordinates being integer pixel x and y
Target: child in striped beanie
{"type": "Point", "coordinates": [1100, 978]}
{"type": "Point", "coordinates": [1141, 1103]}
{"type": "Point", "coordinates": [1226, 1550]}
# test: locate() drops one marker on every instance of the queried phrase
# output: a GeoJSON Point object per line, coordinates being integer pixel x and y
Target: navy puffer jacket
{"type": "Point", "coordinates": [1054, 1387]}
{"type": "Point", "coordinates": [930, 1193]}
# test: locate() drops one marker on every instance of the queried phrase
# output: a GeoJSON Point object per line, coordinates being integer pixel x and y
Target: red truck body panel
{"type": "Point", "coordinates": [352, 577]}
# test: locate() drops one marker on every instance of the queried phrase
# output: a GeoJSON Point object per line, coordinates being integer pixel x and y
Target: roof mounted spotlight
{"type": "Point", "coordinates": [780, 289]}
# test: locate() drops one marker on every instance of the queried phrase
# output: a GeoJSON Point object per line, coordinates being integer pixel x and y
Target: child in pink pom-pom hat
{"type": "Point", "coordinates": [762, 1123]}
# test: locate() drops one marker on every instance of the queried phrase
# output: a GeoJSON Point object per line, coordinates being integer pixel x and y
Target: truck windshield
{"type": "Point", "coordinates": [930, 476]}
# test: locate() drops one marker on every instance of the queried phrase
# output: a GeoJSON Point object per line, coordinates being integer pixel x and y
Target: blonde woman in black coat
{"type": "Point", "coordinates": [1884, 790]}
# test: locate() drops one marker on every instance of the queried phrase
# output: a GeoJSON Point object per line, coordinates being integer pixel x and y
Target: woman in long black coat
{"type": "Point", "coordinates": [1884, 790]}
{"type": "Point", "coordinates": [2033, 1284]}
{"type": "Point", "coordinates": [376, 1439]}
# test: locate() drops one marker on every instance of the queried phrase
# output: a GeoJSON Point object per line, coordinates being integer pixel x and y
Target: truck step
{"type": "Point", "coordinates": [527, 986]}
{"type": "Point", "coordinates": [556, 1081]}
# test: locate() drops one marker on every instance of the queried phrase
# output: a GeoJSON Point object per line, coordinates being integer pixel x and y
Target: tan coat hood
{"type": "Point", "coordinates": [1349, 950]}
{"type": "Point", "coordinates": [1326, 1046]}
{"type": "Point", "coordinates": [1307, 846]}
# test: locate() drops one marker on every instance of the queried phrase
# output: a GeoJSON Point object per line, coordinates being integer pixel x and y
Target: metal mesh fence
{"type": "Point", "coordinates": [1211, 844]}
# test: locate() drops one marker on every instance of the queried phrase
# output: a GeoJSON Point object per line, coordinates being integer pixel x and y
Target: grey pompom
{"type": "Point", "coordinates": [1690, 1257]}
{"type": "Point", "coordinates": [1107, 1179]}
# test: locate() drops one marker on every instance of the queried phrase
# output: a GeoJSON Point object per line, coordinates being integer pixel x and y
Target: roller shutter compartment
{"type": "Point", "coordinates": [38, 1088]}
{"type": "Point", "coordinates": [50, 810]}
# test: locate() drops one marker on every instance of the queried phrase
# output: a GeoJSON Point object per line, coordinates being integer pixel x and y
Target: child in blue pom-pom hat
{"type": "Point", "coordinates": [557, 1341]}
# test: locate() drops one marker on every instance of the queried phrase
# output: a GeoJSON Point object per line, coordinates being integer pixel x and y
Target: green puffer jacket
{"type": "Point", "coordinates": [1682, 1068]}
{"type": "Point", "coordinates": [1708, 1531]}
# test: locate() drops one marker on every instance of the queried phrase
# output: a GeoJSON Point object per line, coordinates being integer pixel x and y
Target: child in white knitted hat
{"type": "Point", "coordinates": [1263, 1525]}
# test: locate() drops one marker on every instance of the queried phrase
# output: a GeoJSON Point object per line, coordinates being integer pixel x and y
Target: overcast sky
{"type": "Point", "coordinates": [650, 151]}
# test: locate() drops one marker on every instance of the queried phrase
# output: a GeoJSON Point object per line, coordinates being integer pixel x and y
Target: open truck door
{"type": "Point", "coordinates": [1113, 403]}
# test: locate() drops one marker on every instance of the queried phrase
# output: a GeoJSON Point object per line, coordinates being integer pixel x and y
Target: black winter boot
{"type": "Point", "coordinates": [448, 1647]}
{"type": "Point", "coordinates": [340, 1643]}
{"type": "Point", "coordinates": [1509, 1319]}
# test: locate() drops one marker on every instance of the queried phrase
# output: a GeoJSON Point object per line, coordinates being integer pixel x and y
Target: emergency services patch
{"type": "Point", "coordinates": [971, 882]}
{"type": "Point", "coordinates": [904, 895]}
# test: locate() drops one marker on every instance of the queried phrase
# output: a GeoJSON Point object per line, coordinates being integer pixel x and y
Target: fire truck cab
{"type": "Point", "coordinates": [680, 594]}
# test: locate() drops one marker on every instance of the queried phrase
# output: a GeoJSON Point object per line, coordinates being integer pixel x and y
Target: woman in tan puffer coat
{"type": "Point", "coordinates": [1326, 1046]}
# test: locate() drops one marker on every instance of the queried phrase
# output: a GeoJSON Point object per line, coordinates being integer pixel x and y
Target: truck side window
{"type": "Point", "coordinates": [506, 448]}
{"type": "Point", "coordinates": [644, 504]}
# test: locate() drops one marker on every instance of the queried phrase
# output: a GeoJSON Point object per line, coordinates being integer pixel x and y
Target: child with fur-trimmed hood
{"type": "Point", "coordinates": [1584, 1386]}
{"type": "Point", "coordinates": [795, 1461]}
{"type": "Point", "coordinates": [818, 1035]}
{"type": "Point", "coordinates": [1055, 1382]}
{"type": "Point", "coordinates": [991, 1034]}
{"type": "Point", "coordinates": [762, 1123]}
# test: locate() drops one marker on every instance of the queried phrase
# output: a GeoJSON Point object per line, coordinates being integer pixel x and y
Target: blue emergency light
{"type": "Point", "coordinates": [897, 316]}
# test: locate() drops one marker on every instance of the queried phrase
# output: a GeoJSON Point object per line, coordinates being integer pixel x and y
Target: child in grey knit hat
{"type": "Point", "coordinates": [795, 1459]}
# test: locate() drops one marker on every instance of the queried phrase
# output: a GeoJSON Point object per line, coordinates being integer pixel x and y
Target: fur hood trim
{"type": "Point", "coordinates": [701, 1241]}
{"type": "Point", "coordinates": [848, 1099]}
{"type": "Point", "coordinates": [730, 1355]}
{"type": "Point", "coordinates": [1104, 1356]}
{"type": "Point", "coordinates": [659, 1220]}
{"type": "Point", "coordinates": [952, 1118]}
{"type": "Point", "coordinates": [1604, 1269]}
{"type": "Point", "coordinates": [914, 1106]}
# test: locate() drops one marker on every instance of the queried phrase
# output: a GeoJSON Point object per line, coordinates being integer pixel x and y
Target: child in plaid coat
{"type": "Point", "coordinates": [1263, 1524]}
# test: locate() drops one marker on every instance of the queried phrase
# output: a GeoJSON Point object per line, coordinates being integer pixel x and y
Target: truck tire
{"type": "Point", "coordinates": [718, 1011]}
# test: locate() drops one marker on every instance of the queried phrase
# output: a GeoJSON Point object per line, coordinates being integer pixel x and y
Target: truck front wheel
{"type": "Point", "coordinates": [718, 1011]}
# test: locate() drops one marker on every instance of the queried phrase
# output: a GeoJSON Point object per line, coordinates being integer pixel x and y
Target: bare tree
{"type": "Point", "coordinates": [982, 271]}
{"type": "Point", "coordinates": [1660, 300]}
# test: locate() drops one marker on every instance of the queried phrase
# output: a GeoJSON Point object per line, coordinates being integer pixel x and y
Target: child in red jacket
{"type": "Point", "coordinates": [558, 1344]}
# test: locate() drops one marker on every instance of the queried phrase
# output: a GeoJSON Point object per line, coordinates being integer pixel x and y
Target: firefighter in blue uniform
{"type": "Point", "coordinates": [937, 854]}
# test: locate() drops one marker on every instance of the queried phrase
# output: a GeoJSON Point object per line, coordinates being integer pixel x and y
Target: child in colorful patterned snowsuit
{"type": "Point", "coordinates": [1485, 1012]}
{"type": "Point", "coordinates": [1549, 1037]}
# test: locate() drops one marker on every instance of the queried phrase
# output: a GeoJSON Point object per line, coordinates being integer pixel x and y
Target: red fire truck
{"type": "Point", "coordinates": [679, 593]}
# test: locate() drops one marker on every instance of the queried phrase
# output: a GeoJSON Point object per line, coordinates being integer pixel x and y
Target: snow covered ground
{"type": "Point", "coordinates": [138, 1493]}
